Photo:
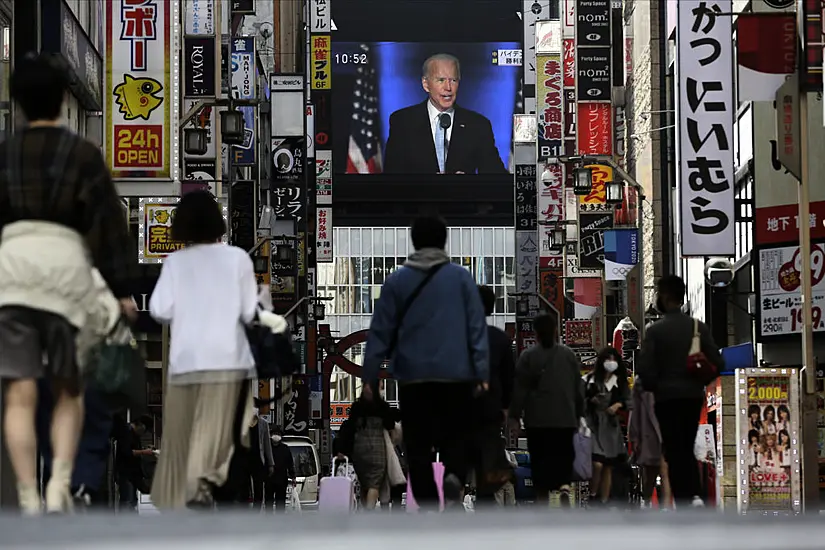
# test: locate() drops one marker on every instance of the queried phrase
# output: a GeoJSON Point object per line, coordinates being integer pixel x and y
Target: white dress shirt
{"type": "Point", "coordinates": [435, 114]}
{"type": "Point", "coordinates": [207, 292]}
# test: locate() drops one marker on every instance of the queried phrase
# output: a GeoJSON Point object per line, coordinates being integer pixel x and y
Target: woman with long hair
{"type": "Point", "coordinates": [606, 392]}
{"type": "Point", "coordinates": [208, 293]}
{"type": "Point", "coordinates": [548, 395]}
{"type": "Point", "coordinates": [371, 415]}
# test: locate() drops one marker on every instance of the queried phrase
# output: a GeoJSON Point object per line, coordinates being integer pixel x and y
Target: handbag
{"type": "Point", "coordinates": [272, 351]}
{"type": "Point", "coordinates": [119, 370]}
{"type": "Point", "coordinates": [697, 364]}
{"type": "Point", "coordinates": [583, 461]}
{"type": "Point", "coordinates": [394, 472]}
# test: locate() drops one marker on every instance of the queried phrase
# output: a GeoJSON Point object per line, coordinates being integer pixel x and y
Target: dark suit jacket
{"type": "Point", "coordinates": [411, 150]}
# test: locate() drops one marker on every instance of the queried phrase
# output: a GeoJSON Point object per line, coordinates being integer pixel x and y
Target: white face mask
{"type": "Point", "coordinates": [276, 438]}
{"type": "Point", "coordinates": [611, 366]}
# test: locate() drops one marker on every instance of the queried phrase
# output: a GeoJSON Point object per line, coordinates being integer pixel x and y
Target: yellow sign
{"type": "Point", "coordinates": [321, 62]}
{"type": "Point", "coordinates": [598, 192]}
{"type": "Point", "coordinates": [156, 217]}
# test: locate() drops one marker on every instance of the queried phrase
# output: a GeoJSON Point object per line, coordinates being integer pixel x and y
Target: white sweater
{"type": "Point", "coordinates": [207, 292]}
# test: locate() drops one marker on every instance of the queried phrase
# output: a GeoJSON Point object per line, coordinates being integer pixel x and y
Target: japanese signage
{"type": "Point", "coordinates": [199, 73]}
{"type": "Point", "coordinates": [595, 128]}
{"type": "Point", "coordinates": [578, 333]}
{"type": "Point", "coordinates": [139, 56]}
{"type": "Point", "coordinates": [527, 257]}
{"type": "Point", "coordinates": [283, 273]}
{"type": "Point", "coordinates": [705, 114]}
{"type": "Point", "coordinates": [288, 202]}
{"type": "Point", "coordinates": [551, 285]}
{"type": "Point", "coordinates": [155, 221]}
{"type": "Point", "coordinates": [780, 297]}
{"type": "Point", "coordinates": [549, 105]}
{"type": "Point", "coordinates": [548, 37]}
{"type": "Point", "coordinates": [199, 17]}
{"type": "Point", "coordinates": [338, 412]}
{"type": "Point", "coordinates": [319, 16]}
{"type": "Point", "coordinates": [597, 198]}
{"type": "Point", "coordinates": [323, 232]}
{"type": "Point", "coordinates": [768, 433]}
{"type": "Point", "coordinates": [569, 62]}
{"type": "Point", "coordinates": [594, 76]}
{"type": "Point", "coordinates": [789, 127]}
{"type": "Point", "coordinates": [323, 177]}
{"type": "Point", "coordinates": [592, 226]}
{"type": "Point", "coordinates": [296, 408]}
{"type": "Point", "coordinates": [592, 22]}
{"type": "Point", "coordinates": [321, 62]}
{"type": "Point", "coordinates": [551, 193]}
{"type": "Point", "coordinates": [243, 213]}
{"type": "Point", "coordinates": [243, 68]}
{"type": "Point", "coordinates": [526, 197]}
{"type": "Point", "coordinates": [287, 160]}
{"type": "Point", "coordinates": [532, 11]}
{"type": "Point", "coordinates": [568, 18]}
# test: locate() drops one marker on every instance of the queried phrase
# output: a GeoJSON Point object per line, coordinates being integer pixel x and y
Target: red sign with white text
{"type": "Point", "coordinates": [595, 128]}
{"type": "Point", "coordinates": [778, 224]}
{"type": "Point", "coordinates": [569, 62]}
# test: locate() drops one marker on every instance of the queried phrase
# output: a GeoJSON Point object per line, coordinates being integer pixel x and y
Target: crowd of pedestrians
{"type": "Point", "coordinates": [67, 262]}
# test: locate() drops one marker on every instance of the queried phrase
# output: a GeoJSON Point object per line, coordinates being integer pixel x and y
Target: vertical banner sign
{"type": "Point", "coordinates": [244, 87]}
{"type": "Point", "coordinates": [779, 292]}
{"type": "Point", "coordinates": [596, 200]}
{"type": "Point", "coordinates": [568, 18]}
{"type": "Point", "coordinates": [319, 17]}
{"type": "Point", "coordinates": [199, 17]}
{"type": "Point", "coordinates": [296, 408]}
{"type": "Point", "coordinates": [323, 233]}
{"type": "Point", "coordinates": [593, 61]}
{"type": "Point", "coordinates": [323, 177]}
{"type": "Point", "coordinates": [283, 274]}
{"type": "Point", "coordinates": [321, 66]}
{"type": "Point", "coordinates": [767, 437]}
{"type": "Point", "coordinates": [551, 194]}
{"type": "Point", "coordinates": [621, 253]}
{"type": "Point", "coordinates": [705, 115]}
{"type": "Point", "coordinates": [199, 63]}
{"type": "Point", "coordinates": [140, 53]}
{"type": "Point", "coordinates": [532, 11]}
{"type": "Point", "coordinates": [551, 283]}
{"type": "Point", "coordinates": [592, 226]}
{"type": "Point", "coordinates": [526, 198]}
{"type": "Point", "coordinates": [549, 105]}
{"type": "Point", "coordinates": [527, 252]}
{"type": "Point", "coordinates": [595, 128]}
{"type": "Point", "coordinates": [242, 216]}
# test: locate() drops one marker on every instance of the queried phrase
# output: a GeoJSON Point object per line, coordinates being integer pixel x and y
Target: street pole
{"type": "Point", "coordinates": [810, 455]}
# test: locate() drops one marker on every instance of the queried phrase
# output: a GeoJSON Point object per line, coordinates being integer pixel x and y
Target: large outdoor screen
{"type": "Point", "coordinates": [396, 117]}
{"type": "Point", "coordinates": [386, 116]}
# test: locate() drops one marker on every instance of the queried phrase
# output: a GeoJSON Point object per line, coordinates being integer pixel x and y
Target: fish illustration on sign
{"type": "Point", "coordinates": [138, 97]}
{"type": "Point", "coordinates": [162, 215]}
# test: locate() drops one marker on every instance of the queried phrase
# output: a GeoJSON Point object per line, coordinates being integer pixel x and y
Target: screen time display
{"type": "Point", "coordinates": [423, 108]}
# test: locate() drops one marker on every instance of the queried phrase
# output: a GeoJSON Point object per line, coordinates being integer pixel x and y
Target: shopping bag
{"type": "Point", "coordinates": [583, 462]}
{"type": "Point", "coordinates": [294, 501]}
{"type": "Point", "coordinates": [438, 474]}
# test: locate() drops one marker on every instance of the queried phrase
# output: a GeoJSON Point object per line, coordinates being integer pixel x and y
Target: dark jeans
{"type": "Point", "coordinates": [128, 494]}
{"type": "Point", "coordinates": [436, 416]}
{"type": "Point", "coordinates": [259, 488]}
{"type": "Point", "coordinates": [679, 423]}
{"type": "Point", "coordinates": [275, 491]}
{"type": "Point", "coordinates": [93, 449]}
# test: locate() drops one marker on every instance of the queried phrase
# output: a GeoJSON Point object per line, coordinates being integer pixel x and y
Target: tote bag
{"type": "Point", "coordinates": [583, 462]}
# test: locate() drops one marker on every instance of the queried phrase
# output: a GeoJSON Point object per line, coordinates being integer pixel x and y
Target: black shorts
{"type": "Point", "coordinates": [36, 344]}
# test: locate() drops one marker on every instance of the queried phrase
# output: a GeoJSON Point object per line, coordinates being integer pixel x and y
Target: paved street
{"type": "Point", "coordinates": [579, 531]}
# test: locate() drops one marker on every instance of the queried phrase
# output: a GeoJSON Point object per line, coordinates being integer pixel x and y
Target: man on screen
{"type": "Point", "coordinates": [437, 136]}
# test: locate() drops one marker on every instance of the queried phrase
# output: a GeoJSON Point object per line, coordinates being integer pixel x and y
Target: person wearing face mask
{"type": "Point", "coordinates": [606, 393]}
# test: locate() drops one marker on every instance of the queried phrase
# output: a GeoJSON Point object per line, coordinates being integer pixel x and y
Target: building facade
{"type": "Point", "coordinates": [365, 256]}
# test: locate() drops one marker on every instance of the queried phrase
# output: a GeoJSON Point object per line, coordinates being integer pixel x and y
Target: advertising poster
{"type": "Point", "coordinates": [578, 333]}
{"type": "Point", "coordinates": [779, 296]}
{"type": "Point", "coordinates": [323, 232]}
{"type": "Point", "coordinates": [139, 88]}
{"type": "Point", "coordinates": [767, 432]}
{"type": "Point", "coordinates": [549, 108]}
{"type": "Point", "coordinates": [155, 221]}
{"type": "Point", "coordinates": [592, 226]}
{"type": "Point", "coordinates": [596, 200]}
{"type": "Point", "coordinates": [594, 74]}
{"type": "Point", "coordinates": [621, 253]}
{"type": "Point", "coordinates": [321, 62]}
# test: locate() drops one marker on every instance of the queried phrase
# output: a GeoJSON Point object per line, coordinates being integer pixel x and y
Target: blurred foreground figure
{"type": "Point", "coordinates": [60, 217]}
{"type": "Point", "coordinates": [430, 323]}
{"type": "Point", "coordinates": [210, 360]}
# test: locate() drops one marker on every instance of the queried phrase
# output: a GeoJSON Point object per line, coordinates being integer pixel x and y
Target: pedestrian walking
{"type": "Point", "coordinates": [210, 359]}
{"type": "Point", "coordinates": [663, 368]}
{"type": "Point", "coordinates": [260, 462]}
{"type": "Point", "coordinates": [283, 471]}
{"type": "Point", "coordinates": [67, 263]}
{"type": "Point", "coordinates": [429, 322]}
{"type": "Point", "coordinates": [549, 397]}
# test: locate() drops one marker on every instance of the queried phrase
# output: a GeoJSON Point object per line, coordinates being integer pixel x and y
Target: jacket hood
{"type": "Point", "coordinates": [426, 258]}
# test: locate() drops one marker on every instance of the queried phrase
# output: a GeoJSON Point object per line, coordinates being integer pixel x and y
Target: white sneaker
{"type": "Point", "coordinates": [697, 503]}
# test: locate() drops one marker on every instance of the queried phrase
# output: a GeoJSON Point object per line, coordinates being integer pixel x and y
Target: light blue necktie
{"type": "Point", "coordinates": [439, 143]}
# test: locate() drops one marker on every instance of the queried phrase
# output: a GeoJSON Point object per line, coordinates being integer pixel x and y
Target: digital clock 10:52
{"type": "Point", "coordinates": [353, 58]}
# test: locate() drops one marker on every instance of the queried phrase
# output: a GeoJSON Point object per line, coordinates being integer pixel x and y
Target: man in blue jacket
{"type": "Point", "coordinates": [430, 323]}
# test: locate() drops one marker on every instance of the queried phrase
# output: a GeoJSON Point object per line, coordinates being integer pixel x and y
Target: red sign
{"type": "Point", "coordinates": [569, 48]}
{"type": "Point", "coordinates": [595, 128]}
{"type": "Point", "coordinates": [578, 333]}
{"type": "Point", "coordinates": [139, 17]}
{"type": "Point", "coordinates": [551, 284]}
{"type": "Point", "coordinates": [778, 224]}
{"type": "Point", "coordinates": [138, 145]}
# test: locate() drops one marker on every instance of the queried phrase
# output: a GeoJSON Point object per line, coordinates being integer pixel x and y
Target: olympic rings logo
{"type": "Point", "coordinates": [623, 271]}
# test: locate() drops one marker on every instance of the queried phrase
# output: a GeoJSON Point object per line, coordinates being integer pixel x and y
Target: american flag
{"type": "Point", "coordinates": [364, 155]}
